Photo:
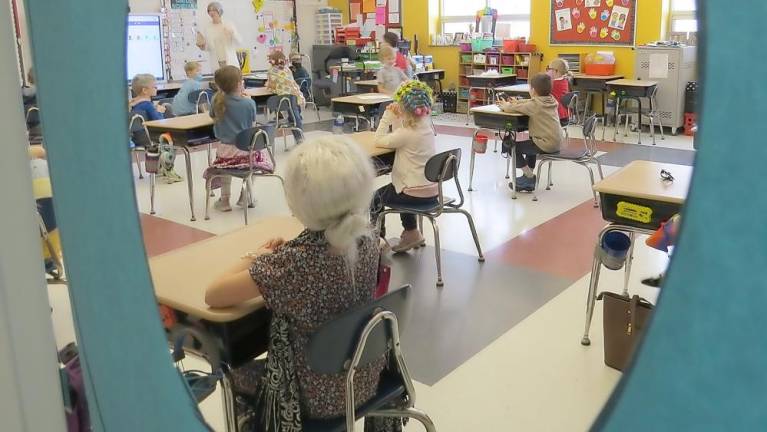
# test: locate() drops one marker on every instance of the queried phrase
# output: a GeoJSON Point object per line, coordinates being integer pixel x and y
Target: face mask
{"type": "Point", "coordinates": [198, 77]}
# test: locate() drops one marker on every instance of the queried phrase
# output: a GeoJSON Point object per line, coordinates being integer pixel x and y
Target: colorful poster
{"type": "Point", "coordinates": [183, 4]}
{"type": "Point", "coordinates": [619, 17]}
{"type": "Point", "coordinates": [381, 15]}
{"type": "Point", "coordinates": [563, 20]}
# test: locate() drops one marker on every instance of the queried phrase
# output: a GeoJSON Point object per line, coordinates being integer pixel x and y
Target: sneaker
{"type": "Point", "coordinates": [222, 205]}
{"type": "Point", "coordinates": [243, 198]}
{"type": "Point", "coordinates": [405, 244]}
{"type": "Point", "coordinates": [172, 177]}
{"type": "Point", "coordinates": [524, 184]}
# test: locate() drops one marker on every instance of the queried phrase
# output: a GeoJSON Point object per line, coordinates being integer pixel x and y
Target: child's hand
{"type": "Point", "coordinates": [394, 109]}
{"type": "Point", "coordinates": [274, 243]}
{"type": "Point", "coordinates": [505, 105]}
{"type": "Point", "coordinates": [161, 108]}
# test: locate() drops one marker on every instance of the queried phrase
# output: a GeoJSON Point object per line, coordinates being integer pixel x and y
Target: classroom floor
{"type": "Point", "coordinates": [498, 347]}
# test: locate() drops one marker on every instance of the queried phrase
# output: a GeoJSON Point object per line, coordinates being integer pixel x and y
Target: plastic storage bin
{"type": "Point", "coordinates": [599, 69]}
{"type": "Point", "coordinates": [465, 58]}
{"type": "Point", "coordinates": [479, 45]}
{"type": "Point", "coordinates": [465, 46]}
{"type": "Point", "coordinates": [511, 45]}
{"type": "Point", "coordinates": [527, 48]}
{"type": "Point", "coordinates": [507, 70]}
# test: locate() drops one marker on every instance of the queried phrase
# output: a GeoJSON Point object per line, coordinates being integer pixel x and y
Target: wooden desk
{"type": "Point", "coordinates": [491, 117]}
{"type": "Point", "coordinates": [169, 86]}
{"type": "Point", "coordinates": [367, 86]}
{"type": "Point", "coordinates": [383, 158]}
{"type": "Point", "coordinates": [186, 131]}
{"type": "Point", "coordinates": [488, 83]}
{"type": "Point", "coordinates": [182, 276]}
{"type": "Point", "coordinates": [635, 200]}
{"type": "Point", "coordinates": [591, 84]}
{"type": "Point", "coordinates": [365, 105]}
{"type": "Point", "coordinates": [258, 92]}
{"type": "Point", "coordinates": [632, 89]}
{"type": "Point", "coordinates": [516, 90]}
{"type": "Point", "coordinates": [432, 76]}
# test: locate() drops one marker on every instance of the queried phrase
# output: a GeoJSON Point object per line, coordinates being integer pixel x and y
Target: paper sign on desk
{"type": "Point", "coordinates": [368, 6]}
{"type": "Point", "coordinates": [658, 66]}
{"type": "Point", "coordinates": [381, 15]}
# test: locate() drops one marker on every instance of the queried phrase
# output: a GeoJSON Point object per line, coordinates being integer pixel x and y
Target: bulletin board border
{"type": "Point", "coordinates": [631, 44]}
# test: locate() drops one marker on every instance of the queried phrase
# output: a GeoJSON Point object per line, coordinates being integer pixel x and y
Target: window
{"type": "Point", "coordinates": [513, 16]}
{"type": "Point", "coordinates": [683, 17]}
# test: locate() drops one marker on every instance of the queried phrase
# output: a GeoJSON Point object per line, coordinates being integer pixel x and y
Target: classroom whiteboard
{"type": "Point", "coordinates": [263, 26]}
{"type": "Point", "coordinates": [144, 46]}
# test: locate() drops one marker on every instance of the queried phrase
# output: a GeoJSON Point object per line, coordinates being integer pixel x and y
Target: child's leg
{"type": "Point", "coordinates": [296, 114]}
{"type": "Point", "coordinates": [226, 188]}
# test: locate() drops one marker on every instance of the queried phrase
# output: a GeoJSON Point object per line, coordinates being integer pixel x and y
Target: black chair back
{"type": "Point", "coordinates": [332, 346]}
{"type": "Point", "coordinates": [275, 103]}
{"type": "Point", "coordinates": [567, 98]}
{"type": "Point", "coordinates": [589, 127]}
{"type": "Point", "coordinates": [245, 139]}
{"type": "Point", "coordinates": [193, 95]}
{"type": "Point", "coordinates": [441, 167]}
{"type": "Point", "coordinates": [137, 130]}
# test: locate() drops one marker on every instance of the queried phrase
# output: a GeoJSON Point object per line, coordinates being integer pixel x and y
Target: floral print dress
{"type": "Point", "coordinates": [308, 286]}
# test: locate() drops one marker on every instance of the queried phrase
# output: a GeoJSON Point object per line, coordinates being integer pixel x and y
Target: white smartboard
{"type": "Point", "coordinates": [144, 46]}
{"type": "Point", "coordinates": [261, 30]}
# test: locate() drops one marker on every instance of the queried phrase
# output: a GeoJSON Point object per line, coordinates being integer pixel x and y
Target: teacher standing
{"type": "Point", "coordinates": [220, 39]}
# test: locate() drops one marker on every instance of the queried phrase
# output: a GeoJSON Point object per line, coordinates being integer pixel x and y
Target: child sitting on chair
{"type": "Point", "coordinates": [560, 85]}
{"type": "Point", "coordinates": [300, 75]}
{"type": "Point", "coordinates": [389, 77]}
{"type": "Point", "coordinates": [414, 143]}
{"type": "Point", "coordinates": [144, 88]}
{"type": "Point", "coordinates": [233, 113]}
{"type": "Point", "coordinates": [545, 131]}
{"type": "Point", "coordinates": [280, 81]}
{"type": "Point", "coordinates": [181, 104]}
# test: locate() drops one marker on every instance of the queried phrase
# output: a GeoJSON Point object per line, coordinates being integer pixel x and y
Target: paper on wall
{"type": "Point", "coordinates": [381, 15]}
{"type": "Point", "coordinates": [380, 3]}
{"type": "Point", "coordinates": [355, 9]}
{"type": "Point", "coordinates": [393, 18]}
{"type": "Point", "coordinates": [658, 66]}
{"type": "Point", "coordinates": [394, 6]}
{"type": "Point", "coordinates": [368, 6]}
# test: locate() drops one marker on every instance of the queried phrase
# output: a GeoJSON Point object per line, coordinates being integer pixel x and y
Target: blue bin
{"type": "Point", "coordinates": [614, 248]}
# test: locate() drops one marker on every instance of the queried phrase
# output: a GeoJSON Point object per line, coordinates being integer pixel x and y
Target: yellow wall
{"type": "Point", "coordinates": [649, 18]}
{"type": "Point", "coordinates": [416, 19]}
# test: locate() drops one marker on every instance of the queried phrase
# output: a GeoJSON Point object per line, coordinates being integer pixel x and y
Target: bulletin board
{"type": "Point", "coordinates": [386, 13]}
{"type": "Point", "coordinates": [593, 22]}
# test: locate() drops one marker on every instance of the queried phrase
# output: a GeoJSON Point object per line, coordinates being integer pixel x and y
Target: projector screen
{"type": "Point", "coordinates": [145, 46]}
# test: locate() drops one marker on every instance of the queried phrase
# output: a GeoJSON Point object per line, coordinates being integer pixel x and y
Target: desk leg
{"type": "Point", "coordinates": [468, 107]}
{"type": "Point", "coordinates": [587, 105]}
{"type": "Point", "coordinates": [639, 120]}
{"type": "Point", "coordinates": [513, 160]}
{"type": "Point", "coordinates": [603, 96]}
{"type": "Point", "coordinates": [615, 119]}
{"type": "Point", "coordinates": [591, 297]}
{"type": "Point", "coordinates": [471, 160]}
{"type": "Point", "coordinates": [629, 259]}
{"type": "Point", "coordinates": [189, 180]}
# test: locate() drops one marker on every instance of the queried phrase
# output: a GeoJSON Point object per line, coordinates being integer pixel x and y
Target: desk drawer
{"type": "Point", "coordinates": [636, 212]}
{"type": "Point", "coordinates": [631, 91]}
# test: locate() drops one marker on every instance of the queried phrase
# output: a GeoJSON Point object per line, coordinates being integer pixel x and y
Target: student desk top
{"type": "Point", "coordinates": [367, 141]}
{"type": "Point", "coordinates": [635, 200]}
{"type": "Point", "coordinates": [516, 89]}
{"type": "Point", "coordinates": [491, 117]}
{"type": "Point", "coordinates": [360, 105]}
{"type": "Point", "coordinates": [641, 179]}
{"type": "Point", "coordinates": [363, 99]}
{"type": "Point", "coordinates": [182, 123]}
{"type": "Point", "coordinates": [171, 85]}
{"type": "Point", "coordinates": [258, 92]}
{"type": "Point", "coordinates": [368, 85]}
{"type": "Point", "coordinates": [182, 276]}
{"type": "Point", "coordinates": [432, 74]}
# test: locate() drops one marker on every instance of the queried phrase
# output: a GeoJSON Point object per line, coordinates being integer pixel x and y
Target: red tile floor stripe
{"type": "Point", "coordinates": [162, 235]}
{"type": "Point", "coordinates": [562, 246]}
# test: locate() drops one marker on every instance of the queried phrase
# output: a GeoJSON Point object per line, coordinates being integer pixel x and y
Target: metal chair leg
{"type": "Point", "coordinates": [208, 194]}
{"type": "Point", "coordinates": [537, 181]}
{"type": "Point", "coordinates": [660, 126]}
{"type": "Point", "coordinates": [652, 129]}
{"type": "Point", "coordinates": [599, 168]}
{"type": "Point", "coordinates": [549, 184]}
{"type": "Point", "coordinates": [617, 117]}
{"type": "Point", "coordinates": [244, 189]}
{"type": "Point", "coordinates": [470, 219]}
{"type": "Point", "coordinates": [152, 181]}
{"type": "Point", "coordinates": [591, 177]}
{"type": "Point", "coordinates": [409, 412]}
{"type": "Point", "coordinates": [228, 400]}
{"type": "Point", "coordinates": [189, 180]}
{"type": "Point", "coordinates": [138, 165]}
{"type": "Point", "coordinates": [420, 224]}
{"type": "Point", "coordinates": [437, 251]}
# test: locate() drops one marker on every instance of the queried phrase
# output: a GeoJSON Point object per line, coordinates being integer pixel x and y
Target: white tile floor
{"type": "Point", "coordinates": [535, 377]}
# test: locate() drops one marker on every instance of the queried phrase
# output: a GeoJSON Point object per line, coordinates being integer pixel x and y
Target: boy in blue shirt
{"type": "Point", "coordinates": [144, 88]}
{"type": "Point", "coordinates": [181, 104]}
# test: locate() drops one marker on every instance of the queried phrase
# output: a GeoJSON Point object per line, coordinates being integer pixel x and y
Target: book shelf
{"type": "Point", "coordinates": [523, 64]}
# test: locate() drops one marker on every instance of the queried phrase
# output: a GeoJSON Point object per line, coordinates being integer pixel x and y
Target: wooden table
{"type": "Point", "coordinates": [365, 105]}
{"type": "Point", "coordinates": [632, 89]}
{"type": "Point", "coordinates": [491, 117]}
{"type": "Point", "coordinates": [488, 83]}
{"type": "Point", "coordinates": [186, 132]}
{"type": "Point", "coordinates": [635, 199]}
{"type": "Point", "coordinates": [516, 90]}
{"type": "Point", "coordinates": [233, 335]}
{"type": "Point", "coordinates": [367, 86]}
{"type": "Point", "coordinates": [433, 76]}
{"type": "Point", "coordinates": [591, 84]}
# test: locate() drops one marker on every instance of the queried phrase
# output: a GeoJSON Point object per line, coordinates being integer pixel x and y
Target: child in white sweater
{"type": "Point", "coordinates": [414, 144]}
